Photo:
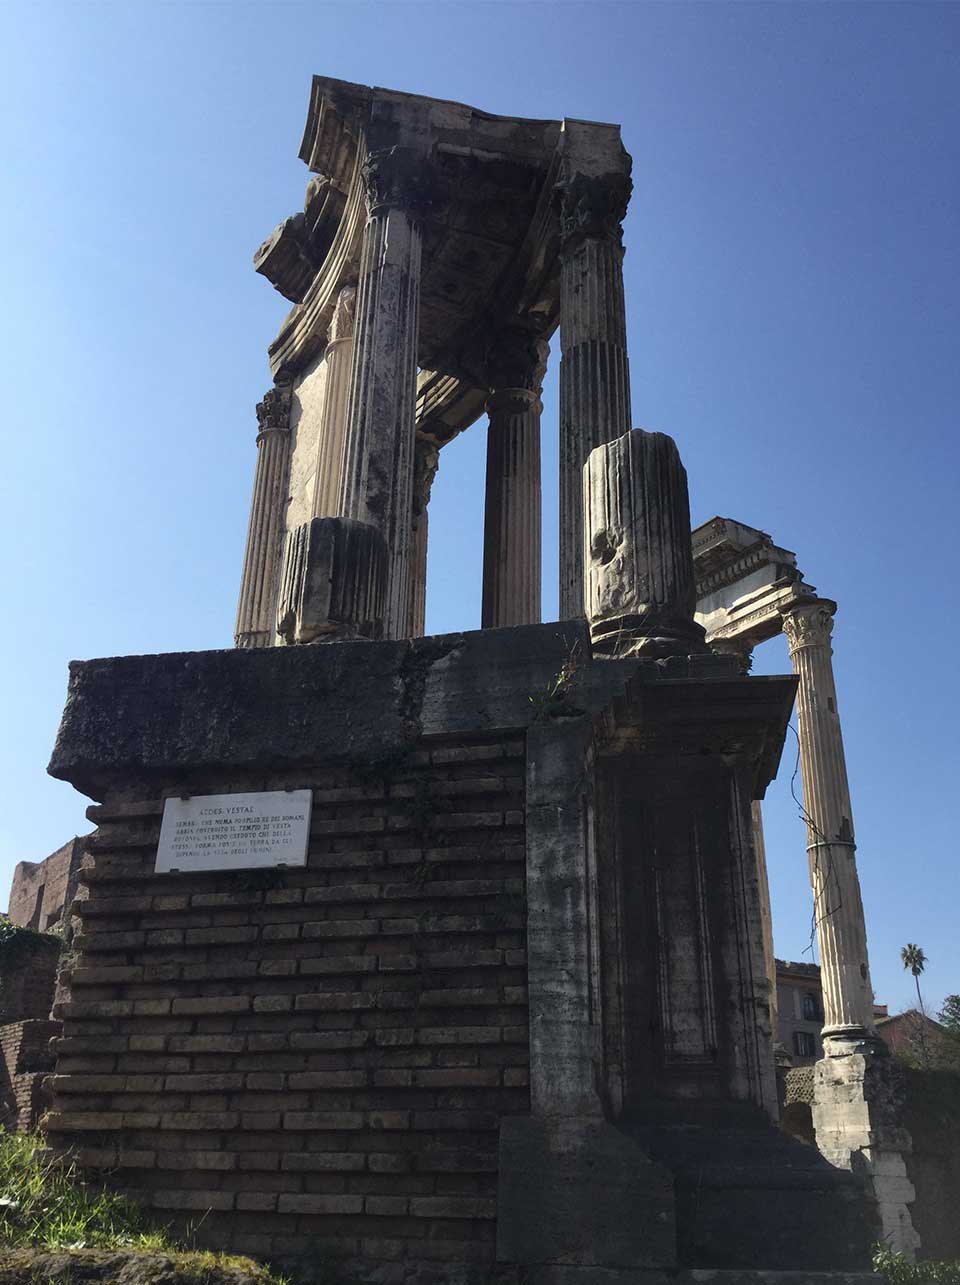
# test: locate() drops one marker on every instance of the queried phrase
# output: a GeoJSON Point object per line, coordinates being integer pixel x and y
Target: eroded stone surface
{"type": "Point", "coordinates": [639, 588]}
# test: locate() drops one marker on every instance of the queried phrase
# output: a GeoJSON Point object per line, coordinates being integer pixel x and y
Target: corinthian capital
{"type": "Point", "coordinates": [809, 625]}
{"type": "Point", "coordinates": [273, 413]}
{"type": "Point", "coordinates": [593, 206]}
{"type": "Point", "coordinates": [396, 177]}
{"type": "Point", "coordinates": [516, 359]}
{"type": "Point", "coordinates": [739, 648]}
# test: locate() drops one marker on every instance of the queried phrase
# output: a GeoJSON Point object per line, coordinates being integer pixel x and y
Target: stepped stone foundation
{"type": "Point", "coordinates": [526, 943]}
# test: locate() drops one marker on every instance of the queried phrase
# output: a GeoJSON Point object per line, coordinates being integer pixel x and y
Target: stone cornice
{"type": "Point", "coordinates": [759, 616]}
{"type": "Point", "coordinates": [741, 565]}
{"type": "Point", "coordinates": [304, 331]}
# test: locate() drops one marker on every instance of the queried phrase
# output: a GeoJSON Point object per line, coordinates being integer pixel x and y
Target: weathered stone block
{"type": "Point", "coordinates": [333, 581]}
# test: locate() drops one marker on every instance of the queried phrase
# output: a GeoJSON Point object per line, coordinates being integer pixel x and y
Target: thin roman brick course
{"type": "Point", "coordinates": [334, 1054]}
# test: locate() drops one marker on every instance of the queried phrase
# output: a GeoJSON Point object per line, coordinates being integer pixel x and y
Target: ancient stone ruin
{"type": "Point", "coordinates": [450, 957]}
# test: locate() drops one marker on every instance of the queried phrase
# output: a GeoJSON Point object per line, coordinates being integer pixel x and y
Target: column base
{"type": "Point", "coordinates": [842, 1041]}
{"type": "Point", "coordinates": [858, 1102]}
{"type": "Point", "coordinates": [638, 636]}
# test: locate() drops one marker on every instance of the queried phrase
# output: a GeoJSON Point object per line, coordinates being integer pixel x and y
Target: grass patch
{"type": "Point", "coordinates": [898, 1271]}
{"type": "Point", "coordinates": [46, 1204]}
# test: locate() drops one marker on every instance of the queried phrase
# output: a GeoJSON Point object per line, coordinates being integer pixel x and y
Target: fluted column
{"type": "Point", "coordinates": [640, 593]}
{"type": "Point", "coordinates": [258, 587]}
{"type": "Point", "coordinates": [511, 526]}
{"type": "Point", "coordinates": [426, 460]}
{"type": "Point", "coordinates": [838, 909]}
{"type": "Point", "coordinates": [338, 360]}
{"type": "Point", "coordinates": [378, 468]}
{"type": "Point", "coordinates": [742, 650]}
{"type": "Point", "coordinates": [766, 918]}
{"type": "Point", "coordinates": [594, 370]}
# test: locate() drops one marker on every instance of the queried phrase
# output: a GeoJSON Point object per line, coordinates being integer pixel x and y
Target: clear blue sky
{"type": "Point", "coordinates": [792, 288]}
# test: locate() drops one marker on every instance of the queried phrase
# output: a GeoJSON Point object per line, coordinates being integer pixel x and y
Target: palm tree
{"type": "Point", "coordinates": [912, 957]}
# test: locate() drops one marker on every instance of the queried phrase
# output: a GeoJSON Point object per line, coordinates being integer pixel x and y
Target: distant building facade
{"type": "Point", "coordinates": [800, 1008]}
{"type": "Point", "coordinates": [41, 889]}
{"type": "Point", "coordinates": [909, 1032]}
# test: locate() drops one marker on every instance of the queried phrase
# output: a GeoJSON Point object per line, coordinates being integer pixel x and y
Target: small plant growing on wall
{"type": "Point", "coordinates": [553, 700]}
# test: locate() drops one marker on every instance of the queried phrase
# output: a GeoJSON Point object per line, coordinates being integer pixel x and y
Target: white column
{"type": "Point", "coordinates": [378, 471]}
{"type": "Point", "coordinates": [511, 529]}
{"type": "Point", "coordinates": [338, 360]}
{"type": "Point", "coordinates": [838, 909]}
{"type": "Point", "coordinates": [258, 586]}
{"type": "Point", "coordinates": [594, 369]}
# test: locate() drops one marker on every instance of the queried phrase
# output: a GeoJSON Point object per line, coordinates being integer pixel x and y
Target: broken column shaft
{"type": "Point", "coordinates": [639, 588]}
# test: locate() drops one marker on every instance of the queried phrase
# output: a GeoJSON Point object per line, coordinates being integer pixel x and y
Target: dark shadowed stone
{"type": "Point", "coordinates": [579, 1192]}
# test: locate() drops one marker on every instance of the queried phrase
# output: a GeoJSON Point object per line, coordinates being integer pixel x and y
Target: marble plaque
{"type": "Point", "coordinates": [235, 831]}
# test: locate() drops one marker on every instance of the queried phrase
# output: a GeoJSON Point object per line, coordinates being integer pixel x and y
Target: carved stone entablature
{"type": "Point", "coordinates": [593, 205]}
{"type": "Point", "coordinates": [516, 359]}
{"type": "Point", "coordinates": [273, 413]}
{"type": "Point", "coordinates": [483, 191]}
{"type": "Point", "coordinates": [725, 551]}
{"type": "Point", "coordinates": [809, 624]}
{"type": "Point", "coordinates": [397, 177]}
{"type": "Point", "coordinates": [323, 207]}
{"type": "Point", "coordinates": [739, 568]}
{"type": "Point", "coordinates": [286, 259]}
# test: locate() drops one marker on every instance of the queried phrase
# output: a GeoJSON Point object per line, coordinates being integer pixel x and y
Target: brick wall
{"type": "Point", "coordinates": [326, 1062]}
{"type": "Point", "coordinates": [41, 889]}
{"type": "Point", "coordinates": [27, 989]}
{"type": "Point", "coordinates": [26, 1061]}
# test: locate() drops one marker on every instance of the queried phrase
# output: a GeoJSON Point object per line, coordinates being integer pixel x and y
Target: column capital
{"type": "Point", "coordinates": [396, 178]}
{"type": "Point", "coordinates": [739, 648]}
{"type": "Point", "coordinates": [516, 361]}
{"type": "Point", "coordinates": [809, 624]}
{"type": "Point", "coordinates": [593, 205]}
{"type": "Point", "coordinates": [273, 413]}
